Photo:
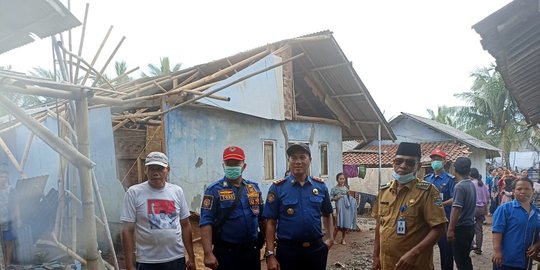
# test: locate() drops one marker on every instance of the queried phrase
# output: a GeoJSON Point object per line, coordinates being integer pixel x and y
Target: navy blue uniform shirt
{"type": "Point", "coordinates": [445, 183]}
{"type": "Point", "coordinates": [298, 208]}
{"type": "Point", "coordinates": [242, 224]}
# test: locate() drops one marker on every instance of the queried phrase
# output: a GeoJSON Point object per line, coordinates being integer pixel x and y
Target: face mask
{"type": "Point", "coordinates": [403, 179]}
{"type": "Point", "coordinates": [233, 172]}
{"type": "Point", "coordinates": [436, 165]}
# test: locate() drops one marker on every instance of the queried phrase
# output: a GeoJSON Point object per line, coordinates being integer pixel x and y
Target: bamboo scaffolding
{"type": "Point", "coordinates": [97, 54]}
{"type": "Point", "coordinates": [125, 121]}
{"type": "Point", "coordinates": [66, 150]}
{"type": "Point", "coordinates": [98, 74]}
{"type": "Point", "coordinates": [109, 60]}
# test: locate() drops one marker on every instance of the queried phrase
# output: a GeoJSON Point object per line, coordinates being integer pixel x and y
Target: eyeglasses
{"type": "Point", "coordinates": [408, 162]}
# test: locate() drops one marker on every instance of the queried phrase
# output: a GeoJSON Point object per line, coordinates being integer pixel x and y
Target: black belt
{"type": "Point", "coordinates": [304, 244]}
{"type": "Point", "coordinates": [244, 246]}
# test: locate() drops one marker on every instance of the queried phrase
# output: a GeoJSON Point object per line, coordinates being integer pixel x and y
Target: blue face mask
{"type": "Point", "coordinates": [232, 172]}
{"type": "Point", "coordinates": [404, 179]}
{"type": "Point", "coordinates": [437, 165]}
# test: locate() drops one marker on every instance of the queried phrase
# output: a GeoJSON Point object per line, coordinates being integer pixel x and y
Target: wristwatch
{"type": "Point", "coordinates": [268, 253]}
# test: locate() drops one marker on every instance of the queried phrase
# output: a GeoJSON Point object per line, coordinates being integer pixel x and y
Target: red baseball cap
{"type": "Point", "coordinates": [438, 152]}
{"type": "Point", "coordinates": [233, 152]}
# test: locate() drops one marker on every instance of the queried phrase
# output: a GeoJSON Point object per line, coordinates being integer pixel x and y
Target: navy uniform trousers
{"type": "Point", "coordinates": [294, 256]}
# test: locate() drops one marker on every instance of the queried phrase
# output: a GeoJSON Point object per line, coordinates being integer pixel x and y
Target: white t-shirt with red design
{"type": "Point", "coordinates": [156, 214]}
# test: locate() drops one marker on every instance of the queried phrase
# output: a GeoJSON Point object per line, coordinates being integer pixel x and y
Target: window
{"type": "Point", "coordinates": [324, 158]}
{"type": "Point", "coordinates": [269, 163]}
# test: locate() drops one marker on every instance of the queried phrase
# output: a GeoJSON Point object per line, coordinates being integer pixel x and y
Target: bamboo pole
{"type": "Point", "coordinates": [224, 71]}
{"type": "Point", "coordinates": [56, 243]}
{"type": "Point", "coordinates": [170, 93]}
{"type": "Point", "coordinates": [27, 149]}
{"type": "Point", "coordinates": [82, 42]}
{"type": "Point", "coordinates": [97, 53]}
{"type": "Point", "coordinates": [11, 157]}
{"type": "Point", "coordinates": [121, 76]}
{"type": "Point", "coordinates": [109, 60]}
{"type": "Point", "coordinates": [40, 91]}
{"type": "Point", "coordinates": [125, 121]}
{"type": "Point", "coordinates": [234, 82]}
{"type": "Point", "coordinates": [66, 150]}
{"type": "Point", "coordinates": [105, 221]}
{"type": "Point", "coordinates": [39, 119]}
{"type": "Point", "coordinates": [70, 46]}
{"type": "Point", "coordinates": [98, 74]}
{"type": "Point", "coordinates": [85, 175]}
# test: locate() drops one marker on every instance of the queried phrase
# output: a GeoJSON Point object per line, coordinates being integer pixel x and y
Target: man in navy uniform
{"type": "Point", "coordinates": [444, 182]}
{"type": "Point", "coordinates": [294, 206]}
{"type": "Point", "coordinates": [231, 214]}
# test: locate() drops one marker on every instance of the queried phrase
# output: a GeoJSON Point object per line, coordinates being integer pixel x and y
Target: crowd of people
{"type": "Point", "coordinates": [411, 214]}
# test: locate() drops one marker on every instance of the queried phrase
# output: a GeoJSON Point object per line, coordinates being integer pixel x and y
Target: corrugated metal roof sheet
{"type": "Point", "coordinates": [41, 17]}
{"type": "Point", "coordinates": [512, 36]}
{"type": "Point", "coordinates": [453, 132]}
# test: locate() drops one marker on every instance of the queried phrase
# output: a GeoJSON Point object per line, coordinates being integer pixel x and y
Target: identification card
{"type": "Point", "coordinates": [401, 227]}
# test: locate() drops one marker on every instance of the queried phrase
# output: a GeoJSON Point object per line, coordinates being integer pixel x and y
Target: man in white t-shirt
{"type": "Point", "coordinates": [148, 207]}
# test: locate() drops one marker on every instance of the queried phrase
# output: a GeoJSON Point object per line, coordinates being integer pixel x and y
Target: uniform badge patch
{"type": "Point", "coordinates": [207, 202]}
{"type": "Point", "coordinates": [271, 197]}
{"type": "Point", "coordinates": [315, 191]}
{"type": "Point", "coordinates": [254, 201]}
{"type": "Point", "coordinates": [226, 195]}
{"type": "Point", "coordinates": [438, 201]}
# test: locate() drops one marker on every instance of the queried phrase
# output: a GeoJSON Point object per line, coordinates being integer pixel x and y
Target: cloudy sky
{"type": "Point", "coordinates": [411, 55]}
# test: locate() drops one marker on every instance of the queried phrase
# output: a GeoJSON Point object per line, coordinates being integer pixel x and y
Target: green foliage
{"type": "Point", "coordinates": [163, 69]}
{"type": "Point", "coordinates": [491, 114]}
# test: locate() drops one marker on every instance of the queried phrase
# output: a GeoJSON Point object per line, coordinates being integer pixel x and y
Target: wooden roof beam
{"type": "Point", "coordinates": [328, 101]}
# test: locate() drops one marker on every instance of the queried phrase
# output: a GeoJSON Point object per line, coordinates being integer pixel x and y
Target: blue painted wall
{"type": "Point", "coordinates": [260, 95]}
{"type": "Point", "coordinates": [42, 160]}
{"type": "Point", "coordinates": [196, 138]}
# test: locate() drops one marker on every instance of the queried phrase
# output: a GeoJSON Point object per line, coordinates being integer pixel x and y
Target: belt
{"type": "Point", "coordinates": [304, 244]}
{"type": "Point", "coordinates": [244, 246]}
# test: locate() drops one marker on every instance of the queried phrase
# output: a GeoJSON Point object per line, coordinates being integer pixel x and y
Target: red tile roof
{"type": "Point", "coordinates": [368, 155]}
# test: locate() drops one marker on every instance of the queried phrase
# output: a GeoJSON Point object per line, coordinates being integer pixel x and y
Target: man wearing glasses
{"type": "Point", "coordinates": [409, 214]}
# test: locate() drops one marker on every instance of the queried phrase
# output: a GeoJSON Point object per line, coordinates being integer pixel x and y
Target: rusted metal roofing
{"type": "Point", "coordinates": [369, 157]}
{"type": "Point", "coordinates": [18, 19]}
{"type": "Point", "coordinates": [512, 36]}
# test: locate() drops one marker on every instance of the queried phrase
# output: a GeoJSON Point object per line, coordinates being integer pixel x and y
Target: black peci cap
{"type": "Point", "coordinates": [298, 147]}
{"type": "Point", "coordinates": [409, 149]}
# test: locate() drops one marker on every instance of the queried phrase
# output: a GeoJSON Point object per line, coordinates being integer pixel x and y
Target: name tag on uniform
{"type": "Point", "coordinates": [442, 196]}
{"type": "Point", "coordinates": [401, 227]}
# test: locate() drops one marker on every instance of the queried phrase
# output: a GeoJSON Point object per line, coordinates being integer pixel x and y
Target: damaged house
{"type": "Point", "coordinates": [296, 90]}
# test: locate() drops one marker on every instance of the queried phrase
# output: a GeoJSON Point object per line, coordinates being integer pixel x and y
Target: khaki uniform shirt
{"type": "Point", "coordinates": [419, 204]}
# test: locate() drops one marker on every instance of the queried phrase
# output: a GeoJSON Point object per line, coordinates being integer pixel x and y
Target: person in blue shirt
{"type": "Point", "coordinates": [294, 207]}
{"type": "Point", "coordinates": [444, 182]}
{"type": "Point", "coordinates": [231, 217]}
{"type": "Point", "coordinates": [515, 229]}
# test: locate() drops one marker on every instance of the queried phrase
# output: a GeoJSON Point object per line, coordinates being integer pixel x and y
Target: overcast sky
{"type": "Point", "coordinates": [411, 55]}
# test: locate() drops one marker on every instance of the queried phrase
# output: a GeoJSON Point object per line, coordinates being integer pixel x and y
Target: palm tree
{"type": "Point", "coordinates": [45, 74]}
{"type": "Point", "coordinates": [445, 115]}
{"type": "Point", "coordinates": [120, 68]}
{"type": "Point", "coordinates": [163, 69]}
{"type": "Point", "coordinates": [491, 113]}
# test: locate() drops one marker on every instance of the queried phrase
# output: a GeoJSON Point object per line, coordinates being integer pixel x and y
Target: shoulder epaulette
{"type": "Point", "coordinates": [277, 182]}
{"type": "Point", "coordinates": [385, 186]}
{"type": "Point", "coordinates": [213, 184]}
{"type": "Point", "coordinates": [317, 179]}
{"type": "Point", "coordinates": [452, 176]}
{"type": "Point", "coordinates": [423, 185]}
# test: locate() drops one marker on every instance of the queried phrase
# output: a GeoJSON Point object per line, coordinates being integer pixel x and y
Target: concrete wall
{"type": "Point", "coordinates": [478, 160]}
{"type": "Point", "coordinates": [196, 138]}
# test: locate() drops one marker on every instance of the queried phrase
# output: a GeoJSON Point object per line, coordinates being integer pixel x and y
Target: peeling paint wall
{"type": "Point", "coordinates": [196, 138]}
